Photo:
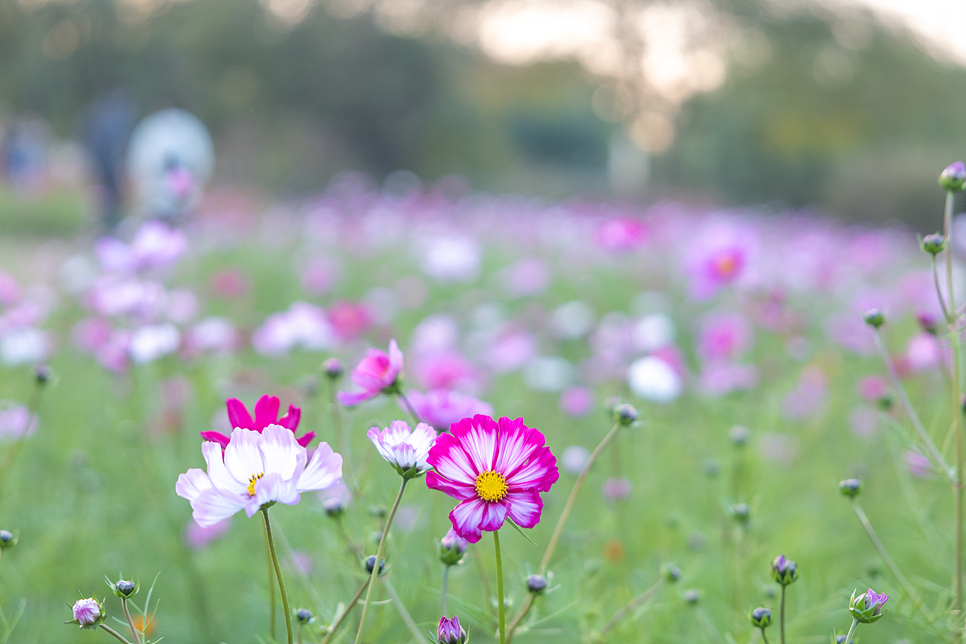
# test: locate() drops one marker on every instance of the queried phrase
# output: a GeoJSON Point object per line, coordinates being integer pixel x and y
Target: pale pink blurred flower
{"type": "Point", "coordinates": [319, 275]}
{"type": "Point", "coordinates": [718, 257]}
{"type": "Point", "coordinates": [155, 245]}
{"type": "Point", "coordinates": [16, 421]}
{"type": "Point", "coordinates": [451, 258]}
{"type": "Point", "coordinates": [445, 370]}
{"type": "Point", "coordinates": [655, 380]}
{"type": "Point", "coordinates": [376, 373]}
{"type": "Point", "coordinates": [434, 333]}
{"type": "Point", "coordinates": [442, 407]}
{"type": "Point", "coordinates": [153, 341]}
{"type": "Point", "coordinates": [350, 321]}
{"type": "Point", "coordinates": [197, 537]}
{"type": "Point", "coordinates": [229, 284]}
{"type": "Point", "coordinates": [577, 401]}
{"type": "Point", "coordinates": [919, 465]}
{"type": "Point", "coordinates": [510, 352]}
{"type": "Point", "coordinates": [574, 458]}
{"type": "Point", "coordinates": [113, 354]}
{"type": "Point", "coordinates": [616, 488]}
{"type": "Point", "coordinates": [723, 337]}
{"type": "Point", "coordinates": [303, 325]}
{"type": "Point", "coordinates": [212, 334]}
{"type": "Point", "coordinates": [873, 388]}
{"type": "Point", "coordinates": [923, 351]}
{"type": "Point", "coordinates": [90, 333]}
{"type": "Point", "coordinates": [179, 181]}
{"type": "Point", "coordinates": [302, 562]}
{"type": "Point", "coordinates": [528, 276]}
{"type": "Point", "coordinates": [9, 290]}
{"type": "Point", "coordinates": [182, 306]}
{"type": "Point", "coordinates": [809, 395]}
{"type": "Point", "coordinates": [720, 378]}
{"type": "Point", "coordinates": [621, 234]}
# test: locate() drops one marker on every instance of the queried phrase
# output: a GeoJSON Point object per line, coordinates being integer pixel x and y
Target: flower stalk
{"type": "Point", "coordinates": [334, 629]}
{"type": "Point", "coordinates": [500, 602]}
{"type": "Point", "coordinates": [376, 566]}
{"type": "Point", "coordinates": [278, 574]}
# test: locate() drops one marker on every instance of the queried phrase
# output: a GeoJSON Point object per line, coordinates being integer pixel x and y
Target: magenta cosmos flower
{"type": "Point", "coordinates": [496, 469]}
{"type": "Point", "coordinates": [377, 373]}
{"type": "Point", "coordinates": [266, 413]}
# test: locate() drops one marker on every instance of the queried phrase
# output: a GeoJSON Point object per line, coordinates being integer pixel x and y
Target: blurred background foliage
{"type": "Point", "coordinates": [829, 109]}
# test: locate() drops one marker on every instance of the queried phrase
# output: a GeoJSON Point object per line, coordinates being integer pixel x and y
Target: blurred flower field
{"type": "Point", "coordinates": [741, 338]}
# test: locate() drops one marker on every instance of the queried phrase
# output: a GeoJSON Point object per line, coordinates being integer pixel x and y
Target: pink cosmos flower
{"type": "Point", "coordinates": [266, 413]}
{"type": "Point", "coordinates": [197, 537]}
{"type": "Point", "coordinates": [496, 469]}
{"type": "Point", "coordinates": [723, 337]}
{"type": "Point", "coordinates": [621, 234]}
{"type": "Point", "coordinates": [229, 284]}
{"type": "Point", "coordinates": [442, 407]}
{"type": "Point", "coordinates": [255, 469]}
{"type": "Point", "coordinates": [376, 373]}
{"type": "Point", "coordinates": [444, 370]}
{"type": "Point", "coordinates": [718, 258]}
{"type": "Point", "coordinates": [350, 321]}
{"type": "Point", "coordinates": [577, 401]}
{"type": "Point", "coordinates": [87, 612]}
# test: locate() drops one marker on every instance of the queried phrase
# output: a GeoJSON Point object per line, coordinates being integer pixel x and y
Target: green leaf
{"type": "Point", "coordinates": [520, 530]}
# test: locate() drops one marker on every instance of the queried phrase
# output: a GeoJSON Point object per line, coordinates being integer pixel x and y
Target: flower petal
{"type": "Point", "coordinates": [306, 439]}
{"type": "Point", "coordinates": [192, 483]}
{"type": "Point", "coordinates": [266, 412]}
{"type": "Point", "coordinates": [217, 472]}
{"type": "Point", "coordinates": [274, 487]}
{"type": "Point", "coordinates": [524, 508]}
{"type": "Point", "coordinates": [292, 418]}
{"type": "Point", "coordinates": [395, 361]}
{"type": "Point", "coordinates": [351, 399]}
{"type": "Point", "coordinates": [242, 456]}
{"type": "Point", "coordinates": [518, 443]}
{"type": "Point", "coordinates": [279, 451]}
{"type": "Point", "coordinates": [216, 437]}
{"type": "Point", "coordinates": [478, 438]}
{"type": "Point", "coordinates": [214, 505]}
{"type": "Point", "coordinates": [451, 461]}
{"type": "Point", "coordinates": [460, 491]}
{"type": "Point", "coordinates": [493, 516]}
{"type": "Point", "coordinates": [466, 519]}
{"type": "Point", "coordinates": [322, 472]}
{"type": "Point", "coordinates": [238, 414]}
{"type": "Point", "coordinates": [539, 474]}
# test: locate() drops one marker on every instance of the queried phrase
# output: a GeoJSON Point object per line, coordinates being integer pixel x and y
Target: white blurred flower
{"type": "Point", "coordinates": [574, 458]}
{"type": "Point", "coordinates": [215, 334]}
{"type": "Point", "coordinates": [654, 380]}
{"type": "Point", "coordinates": [451, 259]}
{"type": "Point", "coordinates": [153, 341]}
{"type": "Point", "coordinates": [653, 332]}
{"type": "Point", "coordinates": [302, 325]}
{"type": "Point", "coordinates": [546, 373]}
{"type": "Point", "coordinates": [24, 345]}
{"type": "Point", "coordinates": [572, 320]}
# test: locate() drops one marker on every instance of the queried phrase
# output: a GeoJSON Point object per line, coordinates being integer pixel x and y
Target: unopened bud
{"type": "Point", "coordinates": [740, 512]}
{"type": "Point", "coordinates": [953, 177]}
{"type": "Point", "coordinates": [334, 507]}
{"type": "Point", "coordinates": [371, 561]}
{"type": "Point", "coordinates": [692, 596]}
{"type": "Point", "coordinates": [760, 618]}
{"type": "Point", "coordinates": [333, 368]}
{"type": "Point", "coordinates": [784, 571]}
{"type": "Point", "coordinates": [625, 414]}
{"type": "Point", "coordinates": [87, 613]}
{"type": "Point", "coordinates": [7, 539]}
{"type": "Point", "coordinates": [671, 572]}
{"type": "Point", "coordinates": [927, 322]}
{"type": "Point", "coordinates": [739, 435]}
{"type": "Point", "coordinates": [452, 547]}
{"type": "Point", "coordinates": [933, 244]}
{"type": "Point", "coordinates": [303, 615]}
{"type": "Point", "coordinates": [43, 374]}
{"type": "Point", "coordinates": [850, 487]}
{"type": "Point", "coordinates": [449, 631]}
{"type": "Point", "coordinates": [125, 588]}
{"type": "Point", "coordinates": [874, 318]}
{"type": "Point", "coordinates": [536, 584]}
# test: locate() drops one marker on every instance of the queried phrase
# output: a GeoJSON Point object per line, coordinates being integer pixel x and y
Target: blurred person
{"type": "Point", "coordinates": [105, 129]}
{"type": "Point", "coordinates": [23, 153]}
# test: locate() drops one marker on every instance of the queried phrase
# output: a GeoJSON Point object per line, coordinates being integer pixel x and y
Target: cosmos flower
{"type": "Point", "coordinates": [376, 373]}
{"type": "Point", "coordinates": [442, 407]}
{"type": "Point", "coordinates": [255, 470]}
{"type": "Point", "coordinates": [87, 613]}
{"type": "Point", "coordinates": [266, 413]}
{"type": "Point", "coordinates": [405, 449]}
{"type": "Point", "coordinates": [450, 631]}
{"type": "Point", "coordinates": [496, 469]}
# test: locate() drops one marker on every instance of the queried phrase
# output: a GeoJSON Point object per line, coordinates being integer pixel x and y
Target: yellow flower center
{"type": "Point", "coordinates": [251, 482]}
{"type": "Point", "coordinates": [726, 264]}
{"type": "Point", "coordinates": [491, 486]}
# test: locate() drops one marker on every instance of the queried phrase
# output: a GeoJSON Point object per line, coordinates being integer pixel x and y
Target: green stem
{"type": "Point", "coordinates": [401, 609]}
{"type": "Point", "coordinates": [375, 566]}
{"type": "Point", "coordinates": [956, 396]}
{"type": "Point", "coordinates": [278, 573]}
{"type": "Point", "coordinates": [409, 407]}
{"type": "Point", "coordinates": [271, 581]}
{"type": "Point", "coordinates": [345, 613]}
{"type": "Point", "coordinates": [933, 451]}
{"type": "Point", "coordinates": [631, 605]}
{"type": "Point", "coordinates": [864, 520]}
{"type": "Point", "coordinates": [848, 638]}
{"type": "Point", "coordinates": [499, 586]}
{"type": "Point", "coordinates": [117, 635]}
{"type": "Point", "coordinates": [552, 545]}
{"type": "Point", "coordinates": [33, 404]}
{"type": "Point", "coordinates": [445, 580]}
{"type": "Point", "coordinates": [781, 618]}
{"type": "Point", "coordinates": [300, 634]}
{"type": "Point", "coordinates": [130, 622]}
{"type": "Point", "coordinates": [765, 637]}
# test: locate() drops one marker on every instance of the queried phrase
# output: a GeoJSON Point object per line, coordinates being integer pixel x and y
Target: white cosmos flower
{"type": "Point", "coordinates": [407, 450]}
{"type": "Point", "coordinates": [254, 470]}
{"type": "Point", "coordinates": [654, 380]}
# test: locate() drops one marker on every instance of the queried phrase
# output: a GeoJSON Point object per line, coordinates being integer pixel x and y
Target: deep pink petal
{"type": "Point", "coordinates": [306, 439]}
{"type": "Point", "coordinates": [451, 461]}
{"type": "Point", "coordinates": [517, 445]}
{"type": "Point", "coordinates": [459, 491]}
{"type": "Point", "coordinates": [539, 474]}
{"type": "Point", "coordinates": [525, 508]}
{"type": "Point", "coordinates": [238, 414]}
{"type": "Point", "coordinates": [494, 516]}
{"type": "Point", "coordinates": [479, 440]}
{"type": "Point", "coordinates": [216, 437]}
{"type": "Point", "coordinates": [266, 412]}
{"type": "Point", "coordinates": [395, 361]}
{"type": "Point", "coordinates": [292, 418]}
{"type": "Point", "coordinates": [467, 518]}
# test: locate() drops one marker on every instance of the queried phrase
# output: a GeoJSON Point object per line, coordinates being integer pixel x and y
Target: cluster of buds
{"type": "Point", "coordinates": [450, 631]}
{"type": "Point", "coordinates": [784, 571]}
{"type": "Point", "coordinates": [867, 607]}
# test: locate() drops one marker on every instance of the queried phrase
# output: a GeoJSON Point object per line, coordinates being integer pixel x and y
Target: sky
{"type": "Point", "coordinates": [941, 22]}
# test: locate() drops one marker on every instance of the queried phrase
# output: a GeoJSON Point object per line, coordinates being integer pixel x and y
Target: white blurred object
{"type": "Point", "coordinates": [170, 159]}
{"type": "Point", "coordinates": [572, 320]}
{"type": "Point", "coordinates": [652, 332]}
{"type": "Point", "coordinates": [654, 380]}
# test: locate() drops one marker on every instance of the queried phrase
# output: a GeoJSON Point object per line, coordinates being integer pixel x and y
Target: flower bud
{"type": "Point", "coordinates": [760, 618]}
{"type": "Point", "coordinates": [712, 467]}
{"type": "Point", "coordinates": [124, 588]}
{"type": "Point", "coordinates": [334, 507]}
{"type": "Point", "coordinates": [7, 539]}
{"type": "Point", "coordinates": [927, 322]}
{"type": "Point", "coordinates": [874, 318]}
{"type": "Point", "coordinates": [536, 584]}
{"type": "Point", "coordinates": [450, 631]}
{"type": "Point", "coordinates": [953, 177]}
{"type": "Point", "coordinates": [371, 561]}
{"type": "Point", "coordinates": [740, 512]}
{"type": "Point", "coordinates": [377, 511]}
{"type": "Point", "coordinates": [867, 607]}
{"type": "Point", "coordinates": [87, 613]}
{"type": "Point", "coordinates": [671, 572]}
{"type": "Point", "coordinates": [452, 547]}
{"type": "Point", "coordinates": [739, 435]}
{"type": "Point", "coordinates": [933, 244]}
{"type": "Point", "coordinates": [840, 639]}
{"type": "Point", "coordinates": [303, 615]}
{"type": "Point", "coordinates": [43, 374]}
{"type": "Point", "coordinates": [784, 571]}
{"type": "Point", "coordinates": [850, 487]}
{"type": "Point", "coordinates": [333, 368]}
{"type": "Point", "coordinates": [692, 596]}
{"type": "Point", "coordinates": [625, 414]}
